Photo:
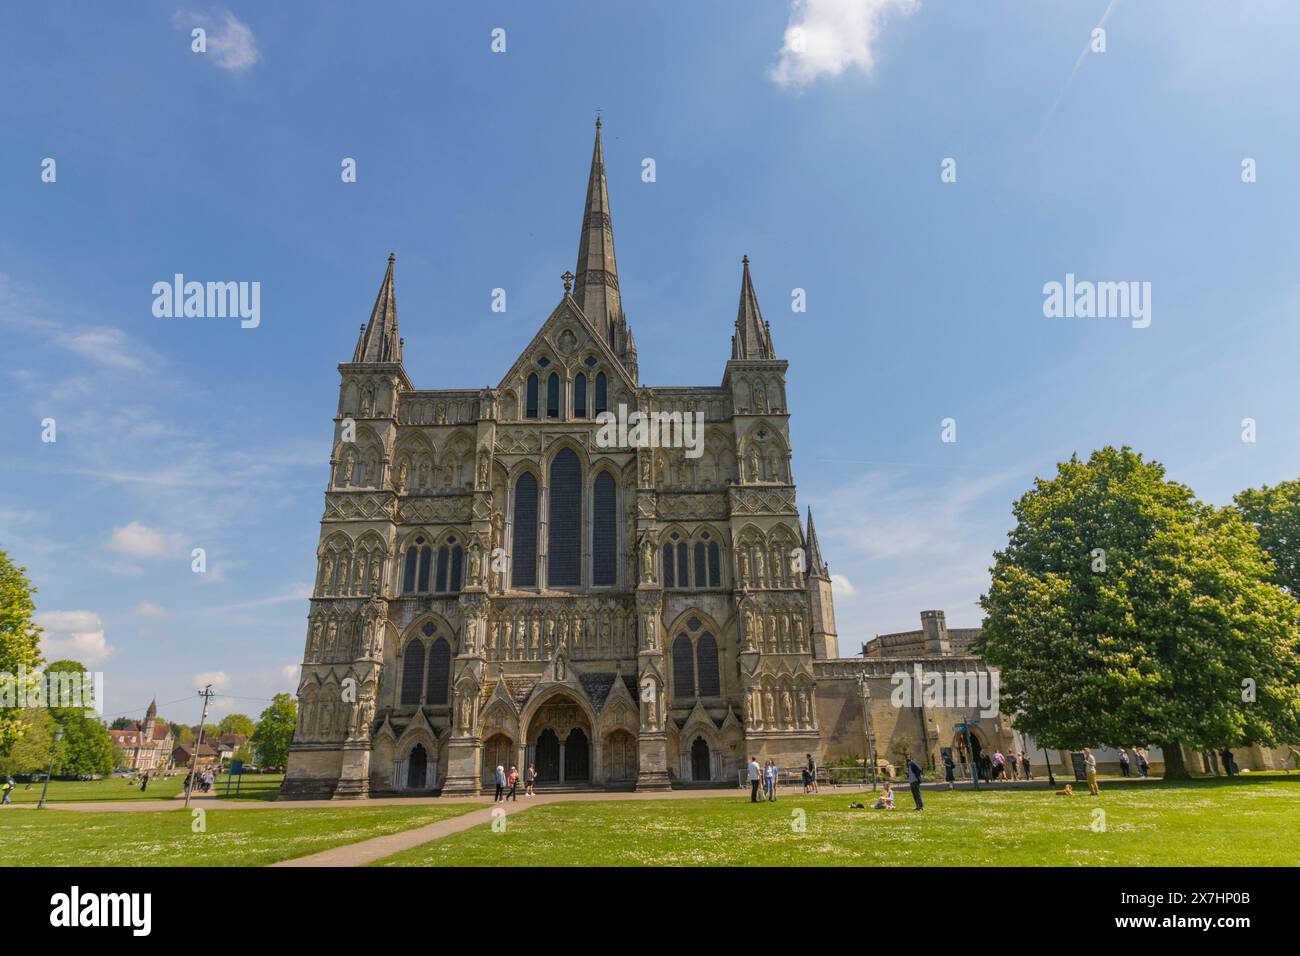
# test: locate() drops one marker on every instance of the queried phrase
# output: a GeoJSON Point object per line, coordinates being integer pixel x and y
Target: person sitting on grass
{"type": "Point", "coordinates": [886, 801]}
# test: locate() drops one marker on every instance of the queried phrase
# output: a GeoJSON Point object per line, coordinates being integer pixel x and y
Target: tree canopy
{"type": "Point", "coordinates": [1275, 514]}
{"type": "Point", "coordinates": [274, 731]}
{"type": "Point", "coordinates": [1123, 611]}
{"type": "Point", "coordinates": [20, 641]}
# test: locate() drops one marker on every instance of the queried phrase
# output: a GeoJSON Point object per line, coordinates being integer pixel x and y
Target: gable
{"type": "Point", "coordinates": [564, 338]}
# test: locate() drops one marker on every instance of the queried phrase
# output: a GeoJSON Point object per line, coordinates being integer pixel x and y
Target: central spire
{"type": "Point", "coordinates": [595, 282]}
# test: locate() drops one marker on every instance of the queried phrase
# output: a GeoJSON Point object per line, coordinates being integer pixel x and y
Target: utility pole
{"type": "Point", "coordinates": [207, 695]}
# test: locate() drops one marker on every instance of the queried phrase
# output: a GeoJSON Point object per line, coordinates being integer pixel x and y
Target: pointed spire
{"type": "Point", "coordinates": [595, 283]}
{"type": "Point", "coordinates": [753, 338]}
{"type": "Point", "coordinates": [151, 712]}
{"type": "Point", "coordinates": [813, 552]}
{"type": "Point", "coordinates": [379, 341]}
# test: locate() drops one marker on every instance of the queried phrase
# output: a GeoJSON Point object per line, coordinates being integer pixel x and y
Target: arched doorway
{"type": "Point", "coordinates": [577, 757]}
{"type": "Point", "coordinates": [701, 765]}
{"type": "Point", "coordinates": [498, 751]}
{"type": "Point", "coordinates": [417, 766]}
{"type": "Point", "coordinates": [620, 757]}
{"type": "Point", "coordinates": [547, 756]}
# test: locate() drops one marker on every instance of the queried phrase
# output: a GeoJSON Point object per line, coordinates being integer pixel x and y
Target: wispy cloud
{"type": "Point", "coordinates": [230, 42]}
{"type": "Point", "coordinates": [826, 38]}
{"type": "Point", "coordinates": [144, 542]}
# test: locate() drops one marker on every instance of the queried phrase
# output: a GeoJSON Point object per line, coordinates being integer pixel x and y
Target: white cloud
{"type": "Point", "coordinates": [219, 680]}
{"type": "Point", "coordinates": [230, 42]}
{"type": "Point", "coordinates": [842, 587]}
{"type": "Point", "coordinates": [151, 612]}
{"type": "Point", "coordinates": [826, 38]}
{"type": "Point", "coordinates": [75, 635]}
{"type": "Point", "coordinates": [143, 542]}
{"type": "Point", "coordinates": [290, 675]}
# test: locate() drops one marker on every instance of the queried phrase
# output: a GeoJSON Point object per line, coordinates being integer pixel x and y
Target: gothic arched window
{"type": "Point", "coordinates": [701, 574]}
{"type": "Point", "coordinates": [715, 566]}
{"type": "Point", "coordinates": [604, 535]}
{"type": "Point", "coordinates": [440, 583]}
{"type": "Point", "coordinates": [580, 396]}
{"type": "Point", "coordinates": [426, 558]}
{"type": "Point", "coordinates": [706, 661]}
{"type": "Point", "coordinates": [412, 671]}
{"type": "Point", "coordinates": [669, 578]}
{"type": "Point", "coordinates": [553, 396]}
{"type": "Point", "coordinates": [457, 566]}
{"type": "Point", "coordinates": [601, 387]}
{"type": "Point", "coordinates": [530, 403]}
{"type": "Point", "coordinates": [439, 673]}
{"type": "Point", "coordinates": [408, 570]}
{"type": "Point", "coordinates": [683, 669]}
{"type": "Point", "coordinates": [683, 566]}
{"type": "Point", "coordinates": [523, 572]}
{"type": "Point", "coordinates": [564, 527]}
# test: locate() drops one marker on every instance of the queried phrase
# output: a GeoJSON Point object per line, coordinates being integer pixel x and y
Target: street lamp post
{"type": "Point", "coordinates": [45, 788]}
{"type": "Point", "coordinates": [867, 729]}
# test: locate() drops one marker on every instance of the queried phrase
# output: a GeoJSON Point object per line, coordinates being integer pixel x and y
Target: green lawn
{"type": "Point", "coordinates": [110, 788]}
{"type": "Point", "coordinates": [251, 837]}
{"type": "Point", "coordinates": [1200, 823]}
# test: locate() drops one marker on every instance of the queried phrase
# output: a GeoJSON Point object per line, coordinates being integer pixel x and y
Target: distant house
{"type": "Point", "coordinates": [207, 756]}
{"type": "Point", "coordinates": [148, 745]}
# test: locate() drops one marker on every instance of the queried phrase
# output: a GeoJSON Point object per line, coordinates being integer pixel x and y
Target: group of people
{"type": "Point", "coordinates": [768, 774]}
{"type": "Point", "coordinates": [1139, 758]}
{"type": "Point", "coordinates": [886, 799]}
{"type": "Point", "coordinates": [999, 766]}
{"type": "Point", "coordinates": [508, 783]}
{"type": "Point", "coordinates": [204, 780]}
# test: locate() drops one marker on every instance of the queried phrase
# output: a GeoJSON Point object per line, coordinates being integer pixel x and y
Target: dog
{"type": "Point", "coordinates": [1067, 792]}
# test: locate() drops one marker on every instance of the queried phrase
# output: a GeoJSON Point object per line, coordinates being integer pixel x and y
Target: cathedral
{"type": "Point", "coordinates": [496, 586]}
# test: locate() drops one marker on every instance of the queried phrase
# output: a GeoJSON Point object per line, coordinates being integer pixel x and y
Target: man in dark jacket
{"type": "Point", "coordinates": [914, 781]}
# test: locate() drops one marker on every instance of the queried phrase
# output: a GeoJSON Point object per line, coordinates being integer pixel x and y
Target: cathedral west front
{"type": "Point", "coordinates": [496, 585]}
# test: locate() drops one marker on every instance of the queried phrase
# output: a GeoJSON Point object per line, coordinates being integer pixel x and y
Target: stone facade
{"type": "Point", "coordinates": [497, 585]}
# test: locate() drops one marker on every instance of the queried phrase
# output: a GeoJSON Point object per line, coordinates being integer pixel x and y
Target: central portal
{"type": "Point", "coordinates": [560, 738]}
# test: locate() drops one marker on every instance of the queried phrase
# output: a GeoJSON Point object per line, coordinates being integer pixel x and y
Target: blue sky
{"type": "Point", "coordinates": [924, 298]}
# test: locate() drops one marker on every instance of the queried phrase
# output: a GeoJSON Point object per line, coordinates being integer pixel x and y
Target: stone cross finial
{"type": "Point", "coordinates": [568, 280]}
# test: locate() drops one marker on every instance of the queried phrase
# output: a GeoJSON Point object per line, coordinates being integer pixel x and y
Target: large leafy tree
{"type": "Point", "coordinates": [86, 747]}
{"type": "Point", "coordinates": [20, 642]}
{"type": "Point", "coordinates": [1275, 513]}
{"type": "Point", "coordinates": [31, 752]}
{"type": "Point", "coordinates": [274, 731]}
{"type": "Point", "coordinates": [1124, 611]}
{"type": "Point", "coordinates": [237, 724]}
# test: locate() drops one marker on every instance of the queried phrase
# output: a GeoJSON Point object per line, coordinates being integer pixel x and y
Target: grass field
{"type": "Point", "coordinates": [94, 791]}
{"type": "Point", "coordinates": [1200, 823]}
{"type": "Point", "coordinates": [233, 837]}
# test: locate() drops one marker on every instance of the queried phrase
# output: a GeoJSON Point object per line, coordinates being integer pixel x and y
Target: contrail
{"type": "Point", "coordinates": [1079, 62]}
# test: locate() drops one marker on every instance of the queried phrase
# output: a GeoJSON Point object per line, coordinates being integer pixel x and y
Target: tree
{"type": "Point", "coordinates": [274, 731]}
{"type": "Point", "coordinates": [31, 753]}
{"type": "Point", "coordinates": [1275, 514]}
{"type": "Point", "coordinates": [86, 747]}
{"type": "Point", "coordinates": [1124, 611]}
{"type": "Point", "coordinates": [184, 736]}
{"type": "Point", "coordinates": [236, 724]}
{"type": "Point", "coordinates": [20, 645]}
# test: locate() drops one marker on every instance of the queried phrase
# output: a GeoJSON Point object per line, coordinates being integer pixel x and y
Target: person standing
{"type": "Point", "coordinates": [1013, 763]}
{"type": "Point", "coordinates": [501, 783]}
{"type": "Point", "coordinates": [1143, 764]}
{"type": "Point", "coordinates": [755, 776]}
{"type": "Point", "coordinates": [812, 773]}
{"type": "Point", "coordinates": [1090, 771]}
{"type": "Point", "coordinates": [948, 769]}
{"type": "Point", "coordinates": [144, 781]}
{"type": "Point", "coordinates": [530, 778]}
{"type": "Point", "coordinates": [1123, 762]}
{"type": "Point", "coordinates": [1024, 765]}
{"type": "Point", "coordinates": [513, 781]}
{"type": "Point", "coordinates": [771, 780]}
{"type": "Point", "coordinates": [999, 765]}
{"type": "Point", "coordinates": [1229, 767]}
{"type": "Point", "coordinates": [914, 781]}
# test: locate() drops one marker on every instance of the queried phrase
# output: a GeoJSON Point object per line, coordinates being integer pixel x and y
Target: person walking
{"type": "Point", "coordinates": [914, 781]}
{"type": "Point", "coordinates": [1123, 762]}
{"type": "Point", "coordinates": [1014, 764]}
{"type": "Point", "coordinates": [755, 777]}
{"type": "Point", "coordinates": [1090, 771]}
{"type": "Point", "coordinates": [144, 781]}
{"type": "Point", "coordinates": [530, 778]}
{"type": "Point", "coordinates": [8, 788]}
{"type": "Point", "coordinates": [513, 781]}
{"type": "Point", "coordinates": [1024, 765]}
{"type": "Point", "coordinates": [999, 765]}
{"type": "Point", "coordinates": [1143, 765]}
{"type": "Point", "coordinates": [501, 783]}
